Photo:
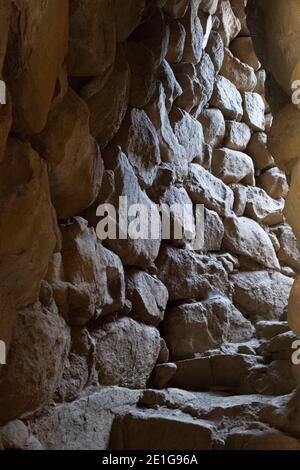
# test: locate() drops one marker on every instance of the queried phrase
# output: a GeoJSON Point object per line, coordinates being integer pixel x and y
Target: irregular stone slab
{"type": "Point", "coordinates": [92, 40]}
{"type": "Point", "coordinates": [189, 134]}
{"type": "Point", "coordinates": [258, 151]}
{"type": "Point", "coordinates": [232, 166]}
{"type": "Point", "coordinates": [209, 6]}
{"type": "Point", "coordinates": [176, 42]}
{"type": "Point", "coordinates": [237, 135]}
{"type": "Point", "coordinates": [74, 160]}
{"type": "Point", "coordinates": [177, 213]}
{"type": "Point", "coordinates": [126, 352]}
{"type": "Point", "coordinates": [283, 139]}
{"type": "Point", "coordinates": [261, 439]}
{"type": "Point", "coordinates": [240, 74]}
{"type": "Point", "coordinates": [240, 198]}
{"type": "Point", "coordinates": [204, 188]}
{"type": "Point", "coordinates": [95, 275]}
{"type": "Point", "coordinates": [266, 329]}
{"type": "Point", "coordinates": [148, 297]}
{"type": "Point", "coordinates": [194, 34]}
{"type": "Point", "coordinates": [230, 25]}
{"type": "Point", "coordinates": [262, 295]}
{"type": "Point", "coordinates": [243, 49]}
{"type": "Point", "coordinates": [263, 208]}
{"type": "Point", "coordinates": [137, 138]}
{"type": "Point", "coordinates": [40, 344]}
{"type": "Point", "coordinates": [245, 237]}
{"type": "Point", "coordinates": [254, 111]}
{"type": "Point", "coordinates": [61, 427]}
{"type": "Point", "coordinates": [30, 73]}
{"type": "Point", "coordinates": [142, 73]}
{"type": "Point", "coordinates": [197, 327]}
{"type": "Point", "coordinates": [160, 430]}
{"type": "Point", "coordinates": [206, 79]}
{"type": "Point", "coordinates": [215, 49]}
{"type": "Point", "coordinates": [25, 203]}
{"type": "Point", "coordinates": [188, 275]}
{"type": "Point", "coordinates": [133, 252]}
{"type": "Point", "coordinates": [213, 231]}
{"type": "Point", "coordinates": [227, 98]}
{"type": "Point", "coordinates": [213, 124]}
{"type": "Point", "coordinates": [170, 149]}
{"type": "Point", "coordinates": [170, 84]}
{"type": "Point", "coordinates": [274, 182]}
{"type": "Point", "coordinates": [186, 74]}
{"type": "Point", "coordinates": [107, 100]}
{"type": "Point", "coordinates": [162, 374]}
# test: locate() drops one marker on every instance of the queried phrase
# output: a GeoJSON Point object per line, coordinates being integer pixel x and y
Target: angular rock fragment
{"type": "Point", "coordinates": [215, 50]}
{"type": "Point", "coordinates": [274, 182]}
{"type": "Point", "coordinates": [237, 135]}
{"type": "Point", "coordinates": [254, 111]}
{"type": "Point", "coordinates": [243, 49]}
{"type": "Point", "coordinates": [148, 297]}
{"type": "Point", "coordinates": [107, 99]}
{"type": "Point", "coordinates": [240, 74]}
{"type": "Point", "coordinates": [40, 345]}
{"type": "Point", "coordinates": [258, 151]}
{"type": "Point", "coordinates": [213, 231]}
{"type": "Point", "coordinates": [230, 25]}
{"type": "Point", "coordinates": [170, 84]}
{"type": "Point", "coordinates": [245, 237]}
{"type": "Point", "coordinates": [188, 275]}
{"type": "Point", "coordinates": [176, 42]}
{"type": "Point", "coordinates": [204, 188]}
{"type": "Point", "coordinates": [213, 124]}
{"type": "Point", "coordinates": [28, 228]}
{"type": "Point", "coordinates": [194, 34]}
{"type": "Point", "coordinates": [197, 327]}
{"type": "Point", "coordinates": [227, 98]}
{"type": "Point", "coordinates": [263, 208]}
{"type": "Point", "coordinates": [232, 166]}
{"type": "Point", "coordinates": [126, 353]}
{"type": "Point", "coordinates": [261, 295]}
{"type": "Point", "coordinates": [74, 160]}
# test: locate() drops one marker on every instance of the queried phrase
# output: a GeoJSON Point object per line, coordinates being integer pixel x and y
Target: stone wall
{"type": "Point", "coordinates": [161, 101]}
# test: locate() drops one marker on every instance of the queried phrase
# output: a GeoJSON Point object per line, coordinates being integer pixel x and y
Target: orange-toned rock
{"type": "Point", "coordinates": [92, 42]}
{"type": "Point", "coordinates": [107, 99]}
{"type": "Point", "coordinates": [28, 230]}
{"type": "Point", "coordinates": [36, 49]}
{"type": "Point", "coordinates": [75, 164]}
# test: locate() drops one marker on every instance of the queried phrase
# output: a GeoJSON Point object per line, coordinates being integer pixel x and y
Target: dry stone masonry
{"type": "Point", "coordinates": [148, 344]}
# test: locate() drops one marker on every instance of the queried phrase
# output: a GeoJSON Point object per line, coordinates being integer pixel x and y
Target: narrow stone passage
{"type": "Point", "coordinates": [152, 343]}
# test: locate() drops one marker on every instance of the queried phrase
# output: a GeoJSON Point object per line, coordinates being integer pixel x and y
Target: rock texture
{"type": "Point", "coordinates": [137, 342]}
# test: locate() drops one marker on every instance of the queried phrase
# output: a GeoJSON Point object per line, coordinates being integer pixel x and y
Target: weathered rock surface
{"type": "Point", "coordinates": [197, 277]}
{"type": "Point", "coordinates": [245, 237]}
{"type": "Point", "coordinates": [30, 73]}
{"type": "Point", "coordinates": [213, 124]}
{"type": "Point", "coordinates": [126, 353]}
{"type": "Point", "coordinates": [232, 166]}
{"type": "Point", "coordinates": [204, 188]}
{"type": "Point", "coordinates": [148, 296]}
{"type": "Point", "coordinates": [237, 135]}
{"type": "Point", "coordinates": [25, 203]}
{"type": "Point", "coordinates": [227, 98]}
{"type": "Point", "coordinates": [73, 157]}
{"type": "Point", "coordinates": [262, 295]}
{"type": "Point", "coordinates": [34, 365]}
